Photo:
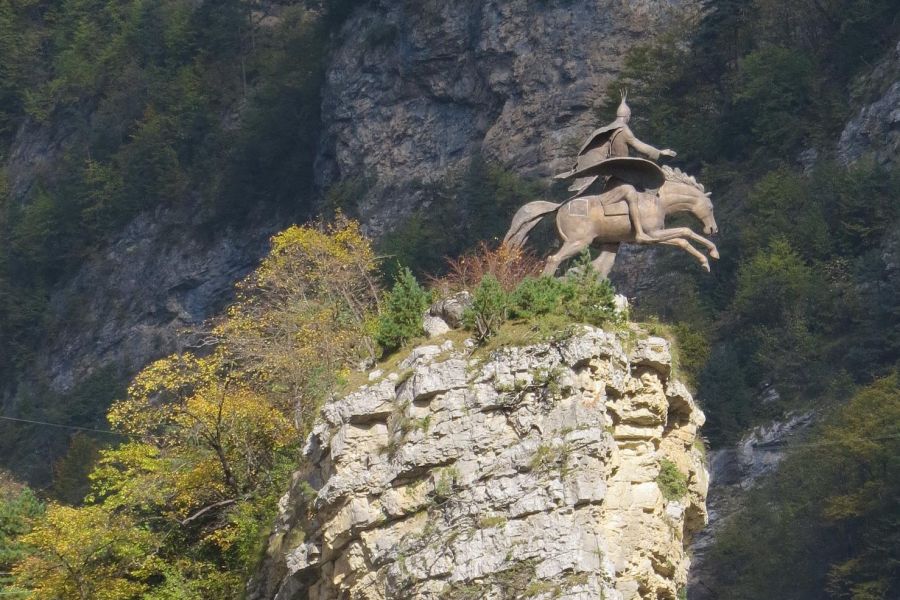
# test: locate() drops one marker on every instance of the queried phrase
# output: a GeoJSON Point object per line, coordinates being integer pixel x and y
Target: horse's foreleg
{"type": "Point", "coordinates": [568, 250]}
{"type": "Point", "coordinates": [684, 245]}
{"type": "Point", "coordinates": [664, 235]}
{"type": "Point", "coordinates": [603, 264]}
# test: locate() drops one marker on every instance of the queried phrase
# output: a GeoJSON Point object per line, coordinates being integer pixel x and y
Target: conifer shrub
{"type": "Point", "coordinates": [582, 296]}
{"type": "Point", "coordinates": [490, 308]}
{"type": "Point", "coordinates": [401, 315]}
{"type": "Point", "coordinates": [537, 297]}
{"type": "Point", "coordinates": [586, 296]}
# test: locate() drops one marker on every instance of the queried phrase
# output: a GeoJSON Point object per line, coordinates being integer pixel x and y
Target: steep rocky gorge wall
{"type": "Point", "coordinates": [413, 90]}
{"type": "Point", "coordinates": [529, 473]}
{"type": "Point", "coordinates": [417, 88]}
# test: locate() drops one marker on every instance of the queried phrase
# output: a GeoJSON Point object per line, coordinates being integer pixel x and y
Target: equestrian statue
{"type": "Point", "coordinates": [618, 198]}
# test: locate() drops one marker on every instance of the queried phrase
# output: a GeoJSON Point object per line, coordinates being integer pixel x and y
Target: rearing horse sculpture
{"type": "Point", "coordinates": [591, 222]}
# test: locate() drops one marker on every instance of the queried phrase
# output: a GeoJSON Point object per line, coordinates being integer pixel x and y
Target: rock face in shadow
{"type": "Point", "coordinates": [875, 128]}
{"type": "Point", "coordinates": [734, 470]}
{"type": "Point", "coordinates": [532, 472]}
{"type": "Point", "coordinates": [417, 88]}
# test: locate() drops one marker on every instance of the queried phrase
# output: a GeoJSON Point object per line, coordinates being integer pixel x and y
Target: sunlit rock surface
{"type": "Point", "coordinates": [530, 472]}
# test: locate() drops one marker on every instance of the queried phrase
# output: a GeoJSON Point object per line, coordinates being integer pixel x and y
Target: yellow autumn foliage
{"type": "Point", "coordinates": [304, 315]}
{"type": "Point", "coordinates": [87, 553]}
{"type": "Point", "coordinates": [181, 508]}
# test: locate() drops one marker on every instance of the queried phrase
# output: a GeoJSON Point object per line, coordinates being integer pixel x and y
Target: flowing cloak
{"type": "Point", "coordinates": [607, 143]}
{"type": "Point", "coordinates": [641, 173]}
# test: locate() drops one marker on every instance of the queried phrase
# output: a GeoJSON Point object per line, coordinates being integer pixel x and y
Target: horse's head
{"type": "Point", "coordinates": [703, 210]}
{"type": "Point", "coordinates": [682, 193]}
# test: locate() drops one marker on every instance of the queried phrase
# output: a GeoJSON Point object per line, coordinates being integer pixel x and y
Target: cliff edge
{"type": "Point", "coordinates": [567, 469]}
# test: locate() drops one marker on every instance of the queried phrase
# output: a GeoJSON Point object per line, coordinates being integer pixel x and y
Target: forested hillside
{"type": "Point", "coordinates": [135, 107]}
{"type": "Point", "coordinates": [209, 111]}
{"type": "Point", "coordinates": [805, 298]}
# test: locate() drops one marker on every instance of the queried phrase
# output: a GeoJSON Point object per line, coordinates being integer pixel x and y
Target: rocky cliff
{"type": "Point", "coordinates": [416, 89]}
{"type": "Point", "coordinates": [532, 472]}
{"type": "Point", "coordinates": [733, 471]}
{"type": "Point", "coordinates": [412, 91]}
{"type": "Point", "coordinates": [875, 128]}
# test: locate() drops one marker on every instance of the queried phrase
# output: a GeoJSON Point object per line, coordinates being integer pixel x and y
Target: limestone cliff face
{"type": "Point", "coordinates": [416, 88]}
{"type": "Point", "coordinates": [529, 473]}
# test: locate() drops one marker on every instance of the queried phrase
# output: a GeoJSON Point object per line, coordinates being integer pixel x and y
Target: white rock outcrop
{"type": "Point", "coordinates": [529, 473]}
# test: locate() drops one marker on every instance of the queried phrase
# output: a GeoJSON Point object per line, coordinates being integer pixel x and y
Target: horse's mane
{"type": "Point", "coordinates": [680, 176]}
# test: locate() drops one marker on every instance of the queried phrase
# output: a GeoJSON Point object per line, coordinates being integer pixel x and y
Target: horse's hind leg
{"type": "Point", "coordinates": [603, 264]}
{"type": "Point", "coordinates": [568, 250]}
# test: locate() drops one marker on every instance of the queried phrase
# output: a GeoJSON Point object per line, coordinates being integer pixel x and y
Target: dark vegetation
{"type": "Point", "coordinates": [179, 103]}
{"type": "Point", "coordinates": [471, 206]}
{"type": "Point", "coordinates": [805, 298]}
{"type": "Point", "coordinates": [155, 104]}
{"type": "Point", "coordinates": [826, 524]}
{"type": "Point", "coordinates": [200, 107]}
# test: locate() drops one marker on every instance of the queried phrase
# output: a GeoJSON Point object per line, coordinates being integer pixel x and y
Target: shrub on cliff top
{"type": "Point", "coordinates": [583, 296]}
{"type": "Point", "coordinates": [401, 316]}
{"type": "Point", "coordinates": [508, 265]}
{"type": "Point", "coordinates": [537, 297]}
{"type": "Point", "coordinates": [490, 308]}
{"type": "Point", "coordinates": [588, 297]}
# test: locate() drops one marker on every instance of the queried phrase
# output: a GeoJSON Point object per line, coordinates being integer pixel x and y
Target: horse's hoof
{"type": "Point", "coordinates": [705, 266]}
{"type": "Point", "coordinates": [714, 254]}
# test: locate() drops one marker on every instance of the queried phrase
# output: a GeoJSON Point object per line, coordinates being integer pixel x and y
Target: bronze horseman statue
{"type": "Point", "coordinates": [617, 198]}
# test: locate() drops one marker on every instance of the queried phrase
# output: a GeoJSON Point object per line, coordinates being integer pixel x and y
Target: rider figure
{"type": "Point", "coordinates": [612, 141]}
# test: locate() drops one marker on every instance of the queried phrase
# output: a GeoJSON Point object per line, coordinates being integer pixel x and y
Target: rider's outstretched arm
{"type": "Point", "coordinates": [647, 150]}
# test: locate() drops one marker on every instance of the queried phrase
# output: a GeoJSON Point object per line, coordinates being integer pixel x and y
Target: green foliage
{"type": "Point", "coordinates": [773, 285]}
{"type": "Point", "coordinates": [582, 296]}
{"type": "Point", "coordinates": [489, 309]}
{"type": "Point", "coordinates": [671, 481]}
{"type": "Point", "coordinates": [588, 297]}
{"type": "Point", "coordinates": [535, 297]}
{"type": "Point", "coordinates": [826, 525]}
{"type": "Point", "coordinates": [772, 86]}
{"type": "Point", "coordinates": [159, 104]}
{"type": "Point", "coordinates": [19, 507]}
{"type": "Point", "coordinates": [400, 319]}
{"type": "Point", "coordinates": [693, 350]}
{"type": "Point", "coordinates": [444, 481]}
{"type": "Point", "coordinates": [82, 406]}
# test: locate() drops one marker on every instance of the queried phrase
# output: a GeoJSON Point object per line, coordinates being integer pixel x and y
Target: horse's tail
{"type": "Point", "coordinates": [525, 219]}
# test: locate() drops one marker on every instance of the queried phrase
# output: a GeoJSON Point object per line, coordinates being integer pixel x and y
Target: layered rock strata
{"type": "Point", "coordinates": [531, 472]}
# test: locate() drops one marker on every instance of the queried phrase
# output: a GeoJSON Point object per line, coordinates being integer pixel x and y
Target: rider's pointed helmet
{"type": "Point", "coordinates": [623, 112]}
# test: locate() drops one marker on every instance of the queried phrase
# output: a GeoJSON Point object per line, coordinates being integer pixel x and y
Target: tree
{"type": "Point", "coordinates": [830, 513]}
{"type": "Point", "coordinates": [401, 318]}
{"type": "Point", "coordinates": [19, 507]}
{"type": "Point", "coordinates": [87, 553]}
{"type": "Point", "coordinates": [772, 285]}
{"type": "Point", "coordinates": [302, 316]}
{"type": "Point", "coordinates": [182, 508]}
